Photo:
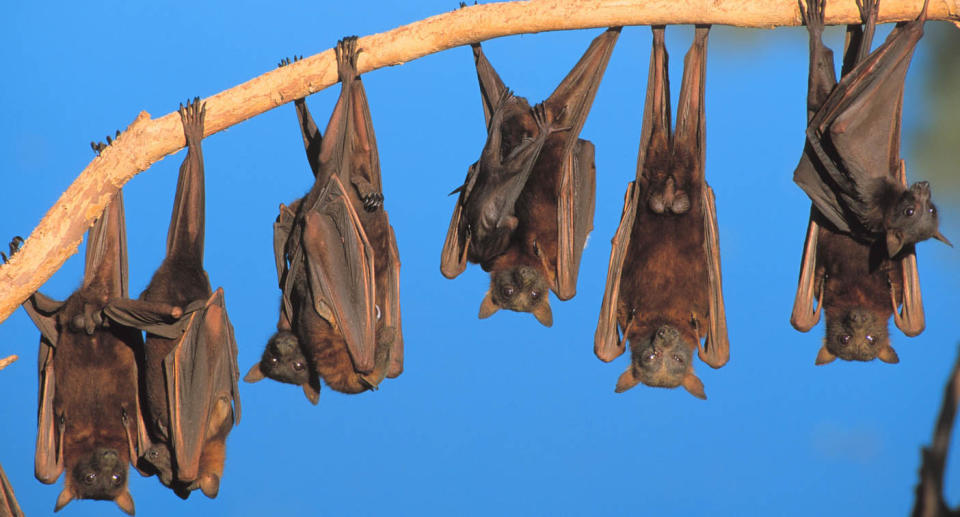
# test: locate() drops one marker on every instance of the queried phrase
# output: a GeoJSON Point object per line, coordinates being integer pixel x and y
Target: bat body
{"type": "Point", "coordinates": [850, 164]}
{"type": "Point", "coordinates": [89, 416]}
{"type": "Point", "coordinates": [663, 291]}
{"type": "Point", "coordinates": [189, 380]}
{"type": "Point", "coordinates": [526, 207]}
{"type": "Point", "coordinates": [854, 279]}
{"type": "Point", "coordinates": [337, 260]}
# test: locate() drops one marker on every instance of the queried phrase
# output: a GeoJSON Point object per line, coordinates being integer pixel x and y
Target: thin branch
{"type": "Point", "coordinates": [6, 361]}
{"type": "Point", "coordinates": [930, 501]}
{"type": "Point", "coordinates": [147, 140]}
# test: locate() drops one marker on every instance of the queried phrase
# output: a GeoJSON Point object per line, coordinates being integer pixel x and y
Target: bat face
{"type": "Point", "coordinates": [283, 360]}
{"type": "Point", "coordinates": [521, 289]}
{"type": "Point", "coordinates": [856, 335]}
{"type": "Point", "coordinates": [662, 359]}
{"type": "Point", "coordinates": [157, 461]}
{"type": "Point", "coordinates": [913, 218]}
{"type": "Point", "coordinates": [101, 475]}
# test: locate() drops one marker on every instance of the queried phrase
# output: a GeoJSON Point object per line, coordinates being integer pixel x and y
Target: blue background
{"type": "Point", "coordinates": [499, 416]}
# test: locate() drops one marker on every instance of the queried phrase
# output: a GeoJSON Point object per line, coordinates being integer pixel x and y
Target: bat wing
{"type": "Point", "coordinates": [8, 502]}
{"type": "Point", "coordinates": [607, 344]}
{"type": "Point", "coordinates": [453, 257]}
{"type": "Point", "coordinates": [340, 265]}
{"type": "Point", "coordinates": [574, 216]}
{"type": "Point", "coordinates": [804, 317]}
{"type": "Point", "coordinates": [856, 133]}
{"type": "Point", "coordinates": [909, 316]}
{"type": "Point", "coordinates": [389, 303]}
{"type": "Point", "coordinates": [312, 139]}
{"type": "Point", "coordinates": [570, 102]}
{"type": "Point", "coordinates": [48, 460]}
{"type": "Point", "coordinates": [201, 376]}
{"type": "Point", "coordinates": [716, 349]}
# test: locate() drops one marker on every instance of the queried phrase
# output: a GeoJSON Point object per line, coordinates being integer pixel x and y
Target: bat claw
{"type": "Point", "coordinates": [14, 247]}
{"type": "Point", "coordinates": [373, 201]}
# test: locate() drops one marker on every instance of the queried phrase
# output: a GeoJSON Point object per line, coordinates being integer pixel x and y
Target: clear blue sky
{"type": "Point", "coordinates": [499, 416]}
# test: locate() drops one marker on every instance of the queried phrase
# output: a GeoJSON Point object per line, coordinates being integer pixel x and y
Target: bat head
{"type": "Point", "coordinates": [912, 219]}
{"type": "Point", "coordinates": [283, 361]}
{"type": "Point", "coordinates": [157, 462]}
{"type": "Point", "coordinates": [857, 335]}
{"type": "Point", "coordinates": [100, 474]}
{"type": "Point", "coordinates": [664, 360]}
{"type": "Point", "coordinates": [521, 289]}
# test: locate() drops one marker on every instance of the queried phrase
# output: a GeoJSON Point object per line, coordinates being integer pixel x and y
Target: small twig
{"type": "Point", "coordinates": [930, 501]}
{"type": "Point", "coordinates": [6, 361]}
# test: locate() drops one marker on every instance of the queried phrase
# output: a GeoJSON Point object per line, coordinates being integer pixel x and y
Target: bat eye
{"type": "Point", "coordinates": [89, 478]}
{"type": "Point", "coordinates": [116, 480]}
{"type": "Point", "coordinates": [908, 212]}
{"type": "Point", "coordinates": [678, 359]}
{"type": "Point", "coordinates": [870, 339]}
{"type": "Point", "coordinates": [648, 358]}
{"type": "Point", "coordinates": [932, 209]}
{"type": "Point", "coordinates": [508, 291]}
{"type": "Point", "coordinates": [298, 366]}
{"type": "Point", "coordinates": [845, 339]}
{"type": "Point", "coordinates": [534, 294]}
{"type": "Point", "coordinates": [273, 360]}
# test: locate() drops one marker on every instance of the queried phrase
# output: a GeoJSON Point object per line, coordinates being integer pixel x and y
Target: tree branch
{"type": "Point", "coordinates": [147, 140]}
{"type": "Point", "coordinates": [930, 501]}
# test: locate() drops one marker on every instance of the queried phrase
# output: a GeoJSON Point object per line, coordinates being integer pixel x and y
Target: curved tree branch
{"type": "Point", "coordinates": [147, 140]}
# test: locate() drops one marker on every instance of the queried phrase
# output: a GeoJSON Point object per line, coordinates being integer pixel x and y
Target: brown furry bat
{"type": "Point", "coordinates": [852, 277]}
{"type": "Point", "coordinates": [526, 207]}
{"type": "Point", "coordinates": [337, 260]}
{"type": "Point", "coordinates": [663, 288]}
{"type": "Point", "coordinates": [189, 382]}
{"type": "Point", "coordinates": [850, 165]}
{"type": "Point", "coordinates": [89, 422]}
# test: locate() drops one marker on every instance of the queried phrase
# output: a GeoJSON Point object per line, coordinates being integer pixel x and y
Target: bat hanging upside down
{"type": "Point", "coordinates": [337, 261]}
{"type": "Point", "coordinates": [859, 261]}
{"type": "Point", "coordinates": [189, 380]}
{"type": "Point", "coordinates": [664, 291]}
{"type": "Point", "coordinates": [89, 419]}
{"type": "Point", "coordinates": [526, 207]}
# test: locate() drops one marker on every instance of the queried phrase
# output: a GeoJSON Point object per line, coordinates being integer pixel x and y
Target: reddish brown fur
{"type": "Point", "coordinates": [664, 279]}
{"type": "Point", "coordinates": [96, 384]}
{"type": "Point", "coordinates": [855, 278]}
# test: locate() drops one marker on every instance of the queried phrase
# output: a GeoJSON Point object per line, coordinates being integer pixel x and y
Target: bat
{"type": "Point", "coordinates": [8, 502]}
{"type": "Point", "coordinates": [854, 280]}
{"type": "Point", "coordinates": [89, 418]}
{"type": "Point", "coordinates": [336, 256]}
{"type": "Point", "coordinates": [851, 161]}
{"type": "Point", "coordinates": [190, 373]}
{"type": "Point", "coordinates": [526, 206]}
{"type": "Point", "coordinates": [664, 291]}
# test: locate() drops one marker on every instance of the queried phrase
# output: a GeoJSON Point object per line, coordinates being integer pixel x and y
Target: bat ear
{"type": "Point", "coordinates": [626, 381]}
{"type": "Point", "coordinates": [66, 495]}
{"type": "Point", "coordinates": [894, 242]}
{"type": "Point", "coordinates": [125, 502]}
{"type": "Point", "coordinates": [313, 394]}
{"type": "Point", "coordinates": [255, 374]}
{"type": "Point", "coordinates": [488, 307]}
{"type": "Point", "coordinates": [544, 314]}
{"type": "Point", "coordinates": [694, 385]}
{"type": "Point", "coordinates": [939, 236]}
{"type": "Point", "coordinates": [824, 356]}
{"type": "Point", "coordinates": [888, 355]}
